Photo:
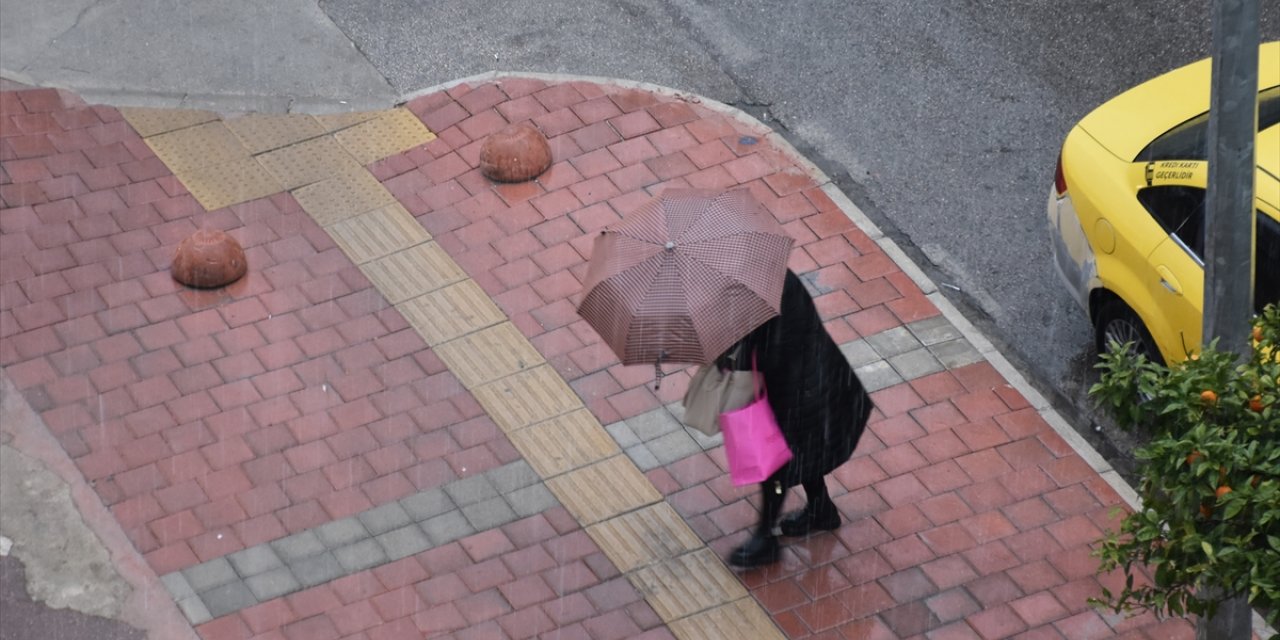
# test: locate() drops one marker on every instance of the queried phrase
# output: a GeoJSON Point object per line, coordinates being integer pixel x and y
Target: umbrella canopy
{"type": "Point", "coordinates": [685, 276]}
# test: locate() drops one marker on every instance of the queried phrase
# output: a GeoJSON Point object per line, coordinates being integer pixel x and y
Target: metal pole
{"type": "Point", "coordinates": [1229, 222]}
{"type": "Point", "coordinates": [1229, 208]}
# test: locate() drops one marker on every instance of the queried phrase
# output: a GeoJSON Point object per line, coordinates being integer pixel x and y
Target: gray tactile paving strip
{"type": "Point", "coordinates": [366, 540]}
{"type": "Point", "coordinates": [901, 354]}
{"type": "Point", "coordinates": [475, 504]}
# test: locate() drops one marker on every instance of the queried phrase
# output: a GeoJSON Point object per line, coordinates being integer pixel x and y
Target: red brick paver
{"type": "Point", "coordinates": [537, 577]}
{"type": "Point", "coordinates": [213, 421]}
{"type": "Point", "coordinates": [935, 497]}
{"type": "Point", "coordinates": [208, 421]}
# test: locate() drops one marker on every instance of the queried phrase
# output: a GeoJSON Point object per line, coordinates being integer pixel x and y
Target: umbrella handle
{"type": "Point", "coordinates": [658, 374]}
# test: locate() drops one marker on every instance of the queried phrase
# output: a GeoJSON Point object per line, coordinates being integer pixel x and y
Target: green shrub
{"type": "Point", "coordinates": [1210, 516]}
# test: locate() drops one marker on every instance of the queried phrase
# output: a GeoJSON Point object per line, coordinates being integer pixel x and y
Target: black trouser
{"type": "Point", "coordinates": [772, 495]}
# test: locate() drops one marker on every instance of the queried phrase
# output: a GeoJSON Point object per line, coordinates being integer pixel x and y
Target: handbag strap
{"type": "Point", "coordinates": [757, 380]}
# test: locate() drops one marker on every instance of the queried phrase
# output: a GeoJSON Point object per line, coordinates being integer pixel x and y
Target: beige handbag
{"type": "Point", "coordinates": [713, 392]}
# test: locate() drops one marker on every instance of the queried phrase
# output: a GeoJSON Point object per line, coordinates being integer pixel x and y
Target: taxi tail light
{"type": "Point", "coordinates": [1059, 181]}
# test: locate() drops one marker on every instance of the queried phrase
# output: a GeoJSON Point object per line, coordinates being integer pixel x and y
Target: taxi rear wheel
{"type": "Point", "coordinates": [1118, 325]}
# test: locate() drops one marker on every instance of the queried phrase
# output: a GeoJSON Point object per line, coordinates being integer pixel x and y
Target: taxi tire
{"type": "Point", "coordinates": [1116, 317]}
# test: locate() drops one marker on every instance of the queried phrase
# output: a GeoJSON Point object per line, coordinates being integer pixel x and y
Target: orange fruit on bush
{"type": "Point", "coordinates": [1255, 404]}
{"type": "Point", "coordinates": [1222, 491]}
{"type": "Point", "coordinates": [1209, 396]}
{"type": "Point", "coordinates": [1193, 456]}
{"type": "Point", "coordinates": [1257, 333]}
{"type": "Point", "coordinates": [1206, 511]}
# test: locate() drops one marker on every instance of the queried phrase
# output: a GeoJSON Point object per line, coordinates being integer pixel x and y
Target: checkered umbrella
{"type": "Point", "coordinates": [685, 276]}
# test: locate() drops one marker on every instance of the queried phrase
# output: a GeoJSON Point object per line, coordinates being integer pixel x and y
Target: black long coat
{"type": "Point", "coordinates": [817, 399]}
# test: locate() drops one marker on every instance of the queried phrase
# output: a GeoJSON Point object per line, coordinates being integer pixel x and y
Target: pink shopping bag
{"type": "Point", "coordinates": [753, 442]}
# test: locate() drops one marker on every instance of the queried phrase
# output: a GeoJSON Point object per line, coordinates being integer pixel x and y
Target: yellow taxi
{"type": "Point", "coordinates": [1127, 209]}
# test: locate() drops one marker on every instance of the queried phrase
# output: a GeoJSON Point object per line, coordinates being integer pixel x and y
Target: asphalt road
{"type": "Point", "coordinates": [28, 620]}
{"type": "Point", "coordinates": [942, 120]}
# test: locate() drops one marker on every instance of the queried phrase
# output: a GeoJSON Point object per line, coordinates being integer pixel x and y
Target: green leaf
{"type": "Point", "coordinates": [1169, 541]}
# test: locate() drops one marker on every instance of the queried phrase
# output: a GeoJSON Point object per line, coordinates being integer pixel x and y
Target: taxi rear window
{"type": "Point", "coordinates": [1190, 140]}
{"type": "Point", "coordinates": [1266, 277]}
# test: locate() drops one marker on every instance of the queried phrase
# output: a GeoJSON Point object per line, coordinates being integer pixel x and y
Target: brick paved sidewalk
{"type": "Point", "coordinates": [396, 425]}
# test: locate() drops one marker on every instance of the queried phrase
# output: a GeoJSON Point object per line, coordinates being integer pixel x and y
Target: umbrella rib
{"type": "Point", "coordinates": [648, 289]}
{"type": "Point", "coordinates": [653, 282]}
{"type": "Point", "coordinates": [697, 319]}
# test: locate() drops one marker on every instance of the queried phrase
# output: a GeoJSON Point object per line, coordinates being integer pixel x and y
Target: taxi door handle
{"type": "Point", "coordinates": [1168, 281]}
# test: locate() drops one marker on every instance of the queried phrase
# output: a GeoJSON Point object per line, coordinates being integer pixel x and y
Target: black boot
{"type": "Point", "coordinates": [820, 514]}
{"type": "Point", "coordinates": [803, 522]}
{"type": "Point", "coordinates": [760, 550]}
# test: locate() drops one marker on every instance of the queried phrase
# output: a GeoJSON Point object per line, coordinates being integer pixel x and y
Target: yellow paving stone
{"type": "Point", "coordinates": [263, 132]}
{"type": "Point", "coordinates": [643, 537]}
{"type": "Point", "coordinates": [221, 185]}
{"type": "Point", "coordinates": [526, 398]}
{"type": "Point", "coordinates": [564, 443]}
{"type": "Point", "coordinates": [150, 121]}
{"type": "Point", "coordinates": [742, 618]}
{"type": "Point", "coordinates": [343, 196]}
{"type": "Point", "coordinates": [603, 490]}
{"type": "Point", "coordinates": [687, 584]}
{"type": "Point", "coordinates": [309, 162]}
{"type": "Point", "coordinates": [379, 233]}
{"type": "Point", "coordinates": [456, 310]}
{"type": "Point", "coordinates": [203, 145]}
{"type": "Point", "coordinates": [410, 273]}
{"type": "Point", "coordinates": [338, 121]}
{"type": "Point", "coordinates": [392, 132]}
{"type": "Point", "coordinates": [488, 354]}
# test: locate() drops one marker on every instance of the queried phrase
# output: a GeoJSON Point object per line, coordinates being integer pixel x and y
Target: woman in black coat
{"type": "Point", "coordinates": [820, 405]}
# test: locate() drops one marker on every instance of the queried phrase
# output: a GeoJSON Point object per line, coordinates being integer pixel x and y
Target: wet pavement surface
{"type": "Point", "coordinates": [25, 619]}
{"type": "Point", "coordinates": [396, 425]}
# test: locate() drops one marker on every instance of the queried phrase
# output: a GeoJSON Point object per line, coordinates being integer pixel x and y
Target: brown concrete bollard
{"type": "Point", "coordinates": [516, 153]}
{"type": "Point", "coordinates": [208, 259]}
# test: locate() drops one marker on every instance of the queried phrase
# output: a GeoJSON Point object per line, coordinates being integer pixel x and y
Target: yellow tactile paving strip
{"type": "Point", "coordinates": [342, 196]}
{"type": "Point", "coordinates": [410, 273]}
{"type": "Point", "coordinates": [239, 180]}
{"type": "Point", "coordinates": [742, 618]}
{"type": "Point", "coordinates": [687, 584]}
{"type": "Point", "coordinates": [489, 354]}
{"type": "Point", "coordinates": [683, 580]}
{"type": "Point", "coordinates": [633, 540]}
{"type": "Point", "coordinates": [388, 134]}
{"type": "Point", "coordinates": [203, 145]}
{"type": "Point", "coordinates": [451, 312]}
{"type": "Point", "coordinates": [337, 121]}
{"type": "Point", "coordinates": [150, 121]}
{"type": "Point", "coordinates": [261, 133]}
{"type": "Point", "coordinates": [303, 163]}
{"type": "Point", "coordinates": [564, 443]}
{"type": "Point", "coordinates": [603, 490]}
{"type": "Point", "coordinates": [228, 162]}
{"type": "Point", "coordinates": [379, 233]}
{"type": "Point", "coordinates": [526, 398]}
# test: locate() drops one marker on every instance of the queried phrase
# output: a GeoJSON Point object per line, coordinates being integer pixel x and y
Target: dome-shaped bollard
{"type": "Point", "coordinates": [516, 153]}
{"type": "Point", "coordinates": [208, 259]}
